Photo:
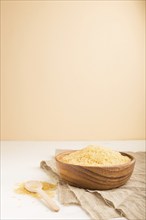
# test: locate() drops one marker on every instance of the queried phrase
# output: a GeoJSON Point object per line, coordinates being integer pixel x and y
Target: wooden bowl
{"type": "Point", "coordinates": [95, 177]}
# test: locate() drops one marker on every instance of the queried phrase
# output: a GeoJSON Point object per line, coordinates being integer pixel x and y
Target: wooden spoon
{"type": "Point", "coordinates": [36, 186]}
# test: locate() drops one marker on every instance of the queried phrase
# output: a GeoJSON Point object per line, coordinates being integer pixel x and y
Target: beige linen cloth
{"type": "Point", "coordinates": [128, 201]}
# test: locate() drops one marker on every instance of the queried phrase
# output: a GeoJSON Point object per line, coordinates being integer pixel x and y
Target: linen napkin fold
{"type": "Point", "coordinates": [127, 201]}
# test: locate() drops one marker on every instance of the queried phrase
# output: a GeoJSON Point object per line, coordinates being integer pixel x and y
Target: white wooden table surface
{"type": "Point", "coordinates": [20, 162]}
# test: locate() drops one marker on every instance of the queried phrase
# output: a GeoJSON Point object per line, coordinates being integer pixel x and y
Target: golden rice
{"type": "Point", "coordinates": [95, 156]}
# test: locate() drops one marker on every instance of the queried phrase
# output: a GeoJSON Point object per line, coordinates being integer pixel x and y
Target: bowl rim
{"type": "Point", "coordinates": [133, 160]}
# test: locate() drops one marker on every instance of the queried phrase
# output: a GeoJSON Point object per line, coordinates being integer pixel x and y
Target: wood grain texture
{"type": "Point", "coordinates": [94, 177]}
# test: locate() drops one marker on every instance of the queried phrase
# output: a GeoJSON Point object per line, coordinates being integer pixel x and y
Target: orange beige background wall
{"type": "Point", "coordinates": [72, 70]}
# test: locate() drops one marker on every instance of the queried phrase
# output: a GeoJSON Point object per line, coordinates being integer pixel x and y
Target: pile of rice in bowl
{"type": "Point", "coordinates": [95, 156]}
